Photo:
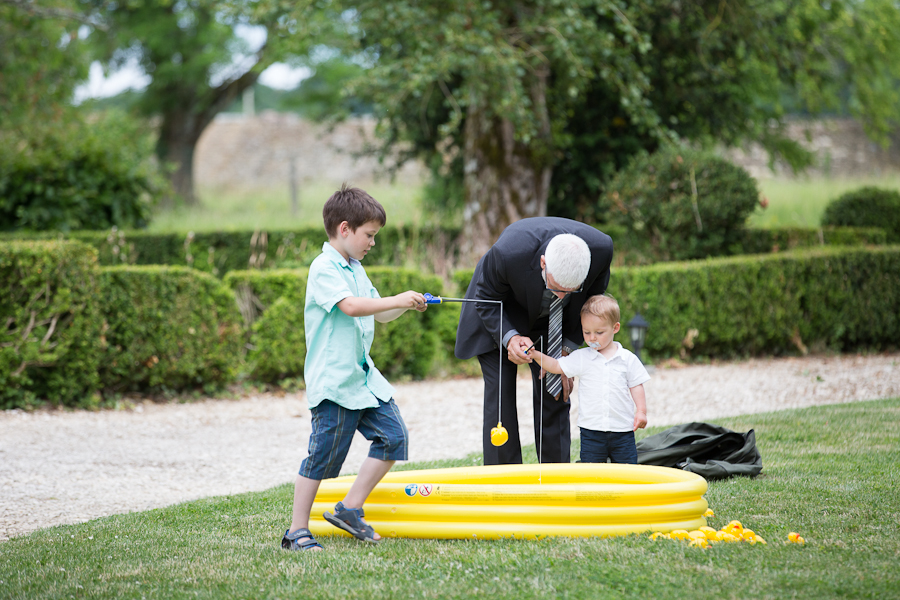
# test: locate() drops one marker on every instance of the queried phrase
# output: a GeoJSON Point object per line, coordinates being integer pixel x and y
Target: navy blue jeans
{"type": "Point", "coordinates": [333, 427]}
{"type": "Point", "coordinates": [618, 446]}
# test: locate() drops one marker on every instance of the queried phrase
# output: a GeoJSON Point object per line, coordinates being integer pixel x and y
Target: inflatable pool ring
{"type": "Point", "coordinates": [525, 501]}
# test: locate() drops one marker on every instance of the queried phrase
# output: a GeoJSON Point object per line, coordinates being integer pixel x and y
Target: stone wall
{"type": "Point", "coordinates": [841, 149]}
{"type": "Point", "coordinates": [237, 151]}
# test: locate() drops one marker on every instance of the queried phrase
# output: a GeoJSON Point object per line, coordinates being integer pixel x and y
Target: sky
{"type": "Point", "coordinates": [279, 76]}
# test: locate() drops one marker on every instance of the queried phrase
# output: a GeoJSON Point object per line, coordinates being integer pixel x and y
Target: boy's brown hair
{"type": "Point", "coordinates": [354, 206]}
{"type": "Point", "coordinates": [604, 307]}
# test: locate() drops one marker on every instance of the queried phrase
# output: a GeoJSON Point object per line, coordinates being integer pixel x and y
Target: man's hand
{"type": "Point", "coordinates": [516, 348]}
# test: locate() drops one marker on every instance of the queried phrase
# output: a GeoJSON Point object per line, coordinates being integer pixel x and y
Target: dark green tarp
{"type": "Point", "coordinates": [707, 450]}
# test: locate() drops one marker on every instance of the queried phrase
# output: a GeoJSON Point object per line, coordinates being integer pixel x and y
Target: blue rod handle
{"type": "Point", "coordinates": [429, 299]}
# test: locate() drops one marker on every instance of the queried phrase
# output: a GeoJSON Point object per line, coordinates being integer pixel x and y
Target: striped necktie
{"type": "Point", "coordinates": [554, 345]}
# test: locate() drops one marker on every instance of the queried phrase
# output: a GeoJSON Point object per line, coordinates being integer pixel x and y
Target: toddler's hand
{"type": "Point", "coordinates": [640, 420]}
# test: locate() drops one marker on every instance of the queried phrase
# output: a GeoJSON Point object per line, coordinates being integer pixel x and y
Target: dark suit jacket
{"type": "Point", "coordinates": [511, 271]}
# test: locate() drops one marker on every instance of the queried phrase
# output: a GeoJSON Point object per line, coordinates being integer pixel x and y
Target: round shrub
{"type": "Point", "coordinates": [867, 207]}
{"type": "Point", "coordinates": [78, 175]}
{"type": "Point", "coordinates": [683, 203]}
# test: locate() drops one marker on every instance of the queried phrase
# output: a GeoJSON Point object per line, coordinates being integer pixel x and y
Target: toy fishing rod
{"type": "Point", "coordinates": [430, 299]}
{"type": "Point", "coordinates": [499, 435]}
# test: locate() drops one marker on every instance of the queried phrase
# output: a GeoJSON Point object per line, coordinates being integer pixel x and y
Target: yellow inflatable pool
{"type": "Point", "coordinates": [525, 501]}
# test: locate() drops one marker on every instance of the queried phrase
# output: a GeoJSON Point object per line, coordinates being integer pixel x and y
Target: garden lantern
{"type": "Point", "coordinates": [637, 328]}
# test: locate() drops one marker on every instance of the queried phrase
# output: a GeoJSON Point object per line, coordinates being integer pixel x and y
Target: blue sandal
{"type": "Point", "coordinates": [289, 541]}
{"type": "Point", "coordinates": [351, 520]}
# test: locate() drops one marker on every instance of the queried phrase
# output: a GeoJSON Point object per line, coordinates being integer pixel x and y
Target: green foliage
{"type": "Point", "coordinates": [78, 175]}
{"type": "Point", "coordinates": [218, 252]}
{"type": "Point", "coordinates": [867, 207]}
{"type": "Point", "coordinates": [440, 64]}
{"type": "Point", "coordinates": [404, 347]}
{"type": "Point", "coordinates": [685, 203]}
{"type": "Point", "coordinates": [50, 341]}
{"type": "Point", "coordinates": [196, 61]}
{"type": "Point", "coordinates": [837, 299]}
{"type": "Point", "coordinates": [324, 95]}
{"type": "Point", "coordinates": [830, 298]}
{"type": "Point", "coordinates": [760, 241]}
{"type": "Point", "coordinates": [271, 303]}
{"type": "Point", "coordinates": [622, 78]}
{"type": "Point", "coordinates": [41, 61]}
{"type": "Point", "coordinates": [801, 201]}
{"type": "Point", "coordinates": [167, 328]}
{"type": "Point", "coordinates": [278, 342]}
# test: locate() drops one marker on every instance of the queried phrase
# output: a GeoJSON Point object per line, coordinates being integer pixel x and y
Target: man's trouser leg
{"type": "Point", "coordinates": [511, 451]}
{"type": "Point", "coordinates": [554, 439]}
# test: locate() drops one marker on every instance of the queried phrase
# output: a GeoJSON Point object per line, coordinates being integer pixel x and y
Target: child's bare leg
{"type": "Point", "coordinates": [304, 494]}
{"type": "Point", "coordinates": [372, 471]}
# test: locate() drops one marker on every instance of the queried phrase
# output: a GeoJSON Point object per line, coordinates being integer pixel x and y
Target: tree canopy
{"type": "Point", "coordinates": [41, 60]}
{"type": "Point", "coordinates": [196, 59]}
{"type": "Point", "coordinates": [569, 91]}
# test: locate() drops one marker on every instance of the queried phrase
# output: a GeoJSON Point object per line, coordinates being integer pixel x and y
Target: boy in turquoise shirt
{"type": "Point", "coordinates": [344, 390]}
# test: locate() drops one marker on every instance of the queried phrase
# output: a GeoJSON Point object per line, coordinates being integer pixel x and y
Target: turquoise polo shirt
{"type": "Point", "coordinates": [338, 366]}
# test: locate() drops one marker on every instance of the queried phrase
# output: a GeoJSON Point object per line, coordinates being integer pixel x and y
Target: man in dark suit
{"type": "Point", "coordinates": [537, 282]}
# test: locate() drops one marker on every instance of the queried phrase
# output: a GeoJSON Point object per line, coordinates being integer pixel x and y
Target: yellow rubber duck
{"type": "Point", "coordinates": [499, 435]}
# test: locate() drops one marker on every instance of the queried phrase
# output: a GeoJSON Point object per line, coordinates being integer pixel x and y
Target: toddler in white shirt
{"type": "Point", "coordinates": [611, 400]}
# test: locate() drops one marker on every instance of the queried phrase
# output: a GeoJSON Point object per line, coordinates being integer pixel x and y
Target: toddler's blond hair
{"type": "Point", "coordinates": [604, 307]}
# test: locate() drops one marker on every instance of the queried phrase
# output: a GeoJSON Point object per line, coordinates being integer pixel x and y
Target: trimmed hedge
{"type": "Point", "coordinates": [405, 347]}
{"type": "Point", "coordinates": [223, 251]}
{"type": "Point", "coordinates": [867, 207]}
{"type": "Point", "coordinates": [273, 301]}
{"type": "Point", "coordinates": [632, 250]}
{"type": "Point", "coordinates": [834, 298]}
{"type": "Point", "coordinates": [50, 340]}
{"type": "Point", "coordinates": [168, 328]}
{"type": "Point", "coordinates": [430, 249]}
{"type": "Point", "coordinates": [761, 241]}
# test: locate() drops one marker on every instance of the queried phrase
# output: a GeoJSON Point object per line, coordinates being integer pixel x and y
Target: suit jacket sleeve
{"type": "Point", "coordinates": [494, 285]}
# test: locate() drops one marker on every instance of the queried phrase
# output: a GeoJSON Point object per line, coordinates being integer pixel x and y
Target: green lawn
{"type": "Point", "coordinates": [792, 202]}
{"type": "Point", "coordinates": [270, 209]}
{"type": "Point", "coordinates": [801, 202]}
{"type": "Point", "coordinates": [830, 473]}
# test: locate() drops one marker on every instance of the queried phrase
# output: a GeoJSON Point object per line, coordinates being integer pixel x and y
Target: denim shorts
{"type": "Point", "coordinates": [618, 446]}
{"type": "Point", "coordinates": [333, 427]}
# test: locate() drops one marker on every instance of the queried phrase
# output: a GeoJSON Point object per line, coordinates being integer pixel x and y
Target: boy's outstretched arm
{"type": "Point", "coordinates": [384, 309]}
{"type": "Point", "coordinates": [640, 403]}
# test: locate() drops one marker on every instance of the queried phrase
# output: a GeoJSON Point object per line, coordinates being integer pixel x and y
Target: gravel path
{"type": "Point", "coordinates": [68, 467]}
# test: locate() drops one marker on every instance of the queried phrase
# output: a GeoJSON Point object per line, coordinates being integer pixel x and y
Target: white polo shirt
{"type": "Point", "coordinates": [604, 387]}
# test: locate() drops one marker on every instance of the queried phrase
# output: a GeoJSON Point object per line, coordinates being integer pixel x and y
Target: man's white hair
{"type": "Point", "coordinates": [568, 260]}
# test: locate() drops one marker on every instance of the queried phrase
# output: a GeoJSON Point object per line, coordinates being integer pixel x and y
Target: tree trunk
{"type": "Point", "coordinates": [505, 179]}
{"type": "Point", "coordinates": [181, 129]}
{"type": "Point", "coordinates": [178, 138]}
